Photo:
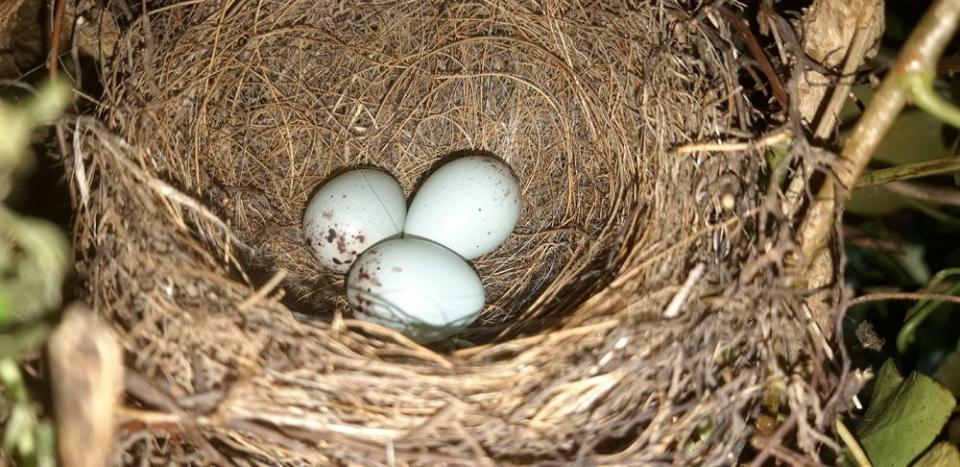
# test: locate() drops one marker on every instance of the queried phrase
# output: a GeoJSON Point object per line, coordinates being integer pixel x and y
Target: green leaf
{"type": "Point", "coordinates": [29, 337]}
{"type": "Point", "coordinates": [19, 426]}
{"type": "Point", "coordinates": [18, 121]}
{"type": "Point", "coordinates": [943, 454]}
{"type": "Point", "coordinates": [38, 262]}
{"type": "Point", "coordinates": [888, 380]}
{"type": "Point", "coordinates": [915, 136]}
{"type": "Point", "coordinates": [5, 305]}
{"type": "Point", "coordinates": [874, 202]}
{"type": "Point", "coordinates": [948, 374]}
{"type": "Point", "coordinates": [913, 261]}
{"type": "Point", "coordinates": [904, 417]}
{"type": "Point", "coordinates": [46, 445]}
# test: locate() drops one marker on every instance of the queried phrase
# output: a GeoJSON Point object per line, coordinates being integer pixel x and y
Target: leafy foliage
{"type": "Point", "coordinates": [943, 454]}
{"type": "Point", "coordinates": [949, 372]}
{"type": "Point", "coordinates": [34, 260]}
{"type": "Point", "coordinates": [904, 417]}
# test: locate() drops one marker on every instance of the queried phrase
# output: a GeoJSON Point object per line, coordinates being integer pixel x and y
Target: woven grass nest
{"type": "Point", "coordinates": [635, 315]}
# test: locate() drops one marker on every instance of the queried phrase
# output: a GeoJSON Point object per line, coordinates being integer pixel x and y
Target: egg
{"type": "Point", "coordinates": [351, 212]}
{"type": "Point", "coordinates": [469, 205]}
{"type": "Point", "coordinates": [417, 287]}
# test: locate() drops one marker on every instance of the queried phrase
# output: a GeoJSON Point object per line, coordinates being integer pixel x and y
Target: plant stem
{"type": "Point", "coordinates": [852, 444]}
{"type": "Point", "coordinates": [919, 56]}
{"type": "Point", "coordinates": [919, 312]}
{"type": "Point", "coordinates": [906, 172]}
{"type": "Point", "coordinates": [927, 98]}
{"type": "Point", "coordinates": [933, 194]}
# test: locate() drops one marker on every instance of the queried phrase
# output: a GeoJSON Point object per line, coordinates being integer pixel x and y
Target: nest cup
{"type": "Point", "coordinates": [219, 120]}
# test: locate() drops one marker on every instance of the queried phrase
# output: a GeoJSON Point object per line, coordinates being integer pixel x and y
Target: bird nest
{"type": "Point", "coordinates": [635, 315]}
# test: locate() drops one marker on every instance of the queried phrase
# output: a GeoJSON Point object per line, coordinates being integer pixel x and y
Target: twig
{"type": "Point", "coordinates": [440, 417]}
{"type": "Point", "coordinates": [855, 56]}
{"type": "Point", "coordinates": [880, 296]}
{"type": "Point", "coordinates": [767, 141]}
{"type": "Point", "coordinates": [419, 350]}
{"type": "Point", "coordinates": [919, 55]}
{"type": "Point", "coordinates": [756, 52]}
{"type": "Point", "coordinates": [906, 172]}
{"type": "Point", "coordinates": [781, 26]}
{"type": "Point", "coordinates": [79, 169]}
{"type": "Point", "coordinates": [851, 442]}
{"type": "Point", "coordinates": [55, 37]}
{"type": "Point", "coordinates": [673, 309]}
{"type": "Point", "coordinates": [155, 418]}
{"type": "Point", "coordinates": [264, 290]}
{"type": "Point", "coordinates": [930, 194]}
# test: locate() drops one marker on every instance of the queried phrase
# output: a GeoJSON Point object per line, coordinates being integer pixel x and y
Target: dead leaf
{"type": "Point", "coordinates": [828, 29]}
{"type": "Point", "coordinates": [87, 372]}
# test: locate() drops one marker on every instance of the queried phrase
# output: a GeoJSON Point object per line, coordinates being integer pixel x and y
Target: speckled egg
{"type": "Point", "coordinates": [417, 287]}
{"type": "Point", "coordinates": [351, 212]}
{"type": "Point", "coordinates": [469, 205]}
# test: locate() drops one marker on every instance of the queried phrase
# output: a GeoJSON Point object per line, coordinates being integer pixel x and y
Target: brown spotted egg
{"type": "Point", "coordinates": [350, 213]}
{"type": "Point", "coordinates": [417, 287]}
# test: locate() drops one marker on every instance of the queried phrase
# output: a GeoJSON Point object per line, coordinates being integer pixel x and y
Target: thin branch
{"type": "Point", "coordinates": [756, 52]}
{"type": "Point", "coordinates": [920, 55]}
{"type": "Point", "coordinates": [906, 172]}
{"type": "Point", "coordinates": [855, 55]}
{"type": "Point", "coordinates": [55, 37]}
{"type": "Point", "coordinates": [263, 291]}
{"type": "Point", "coordinates": [929, 194]}
{"type": "Point", "coordinates": [881, 296]}
{"type": "Point", "coordinates": [778, 137]}
{"type": "Point", "coordinates": [673, 309]}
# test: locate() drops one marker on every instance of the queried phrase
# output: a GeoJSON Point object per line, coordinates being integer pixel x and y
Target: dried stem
{"type": "Point", "coordinates": [929, 194]}
{"type": "Point", "coordinates": [757, 53]}
{"type": "Point", "coordinates": [55, 37]}
{"type": "Point", "coordinates": [881, 296]}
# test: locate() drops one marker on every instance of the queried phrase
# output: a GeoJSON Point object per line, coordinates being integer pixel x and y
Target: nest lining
{"type": "Point", "coordinates": [269, 131]}
{"type": "Point", "coordinates": [220, 118]}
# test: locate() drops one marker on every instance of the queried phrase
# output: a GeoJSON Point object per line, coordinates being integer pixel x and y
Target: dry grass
{"type": "Point", "coordinates": [220, 118]}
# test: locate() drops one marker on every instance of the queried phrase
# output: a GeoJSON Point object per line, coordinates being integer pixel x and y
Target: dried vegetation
{"type": "Point", "coordinates": [635, 316]}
